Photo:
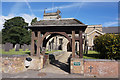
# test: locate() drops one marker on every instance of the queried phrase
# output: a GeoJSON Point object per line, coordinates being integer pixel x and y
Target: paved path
{"type": "Point", "coordinates": [58, 69]}
{"type": "Point", "coordinates": [59, 66]}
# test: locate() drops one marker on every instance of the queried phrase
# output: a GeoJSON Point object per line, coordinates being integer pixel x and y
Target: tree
{"type": "Point", "coordinates": [34, 20]}
{"type": "Point", "coordinates": [15, 31]}
{"type": "Point", "coordinates": [15, 22]}
{"type": "Point", "coordinates": [0, 37]}
{"type": "Point", "coordinates": [108, 45]}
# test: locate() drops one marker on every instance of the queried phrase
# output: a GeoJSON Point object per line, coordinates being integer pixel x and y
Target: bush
{"type": "Point", "coordinates": [108, 45]}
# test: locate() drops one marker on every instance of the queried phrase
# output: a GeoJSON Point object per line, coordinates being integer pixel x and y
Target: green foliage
{"type": "Point", "coordinates": [108, 45]}
{"type": "Point", "coordinates": [15, 22]}
{"type": "Point", "coordinates": [15, 32]}
{"type": "Point", "coordinates": [0, 37]}
{"type": "Point", "coordinates": [33, 20]}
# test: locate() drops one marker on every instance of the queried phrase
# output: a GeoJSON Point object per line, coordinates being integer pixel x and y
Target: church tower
{"type": "Point", "coordinates": [54, 15]}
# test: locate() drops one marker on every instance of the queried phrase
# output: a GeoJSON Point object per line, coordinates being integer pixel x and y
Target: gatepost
{"type": "Point", "coordinates": [77, 66]}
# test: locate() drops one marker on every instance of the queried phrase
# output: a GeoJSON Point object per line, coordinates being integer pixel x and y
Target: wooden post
{"type": "Point", "coordinates": [80, 45]}
{"type": "Point", "coordinates": [73, 44]}
{"type": "Point", "coordinates": [38, 43]}
{"type": "Point", "coordinates": [32, 43]}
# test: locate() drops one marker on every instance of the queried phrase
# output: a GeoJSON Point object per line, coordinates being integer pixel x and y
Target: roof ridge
{"type": "Point", "coordinates": [59, 19]}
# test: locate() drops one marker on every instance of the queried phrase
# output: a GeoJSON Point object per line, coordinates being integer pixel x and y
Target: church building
{"type": "Point", "coordinates": [61, 43]}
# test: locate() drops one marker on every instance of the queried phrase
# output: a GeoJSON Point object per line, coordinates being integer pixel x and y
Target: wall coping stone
{"type": "Point", "coordinates": [107, 60]}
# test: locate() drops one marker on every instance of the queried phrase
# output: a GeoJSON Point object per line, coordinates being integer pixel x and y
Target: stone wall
{"type": "Point", "coordinates": [12, 64]}
{"type": "Point", "coordinates": [36, 63]}
{"type": "Point", "coordinates": [15, 64]}
{"type": "Point", "coordinates": [101, 68]}
{"type": "Point", "coordinates": [91, 38]}
{"type": "Point", "coordinates": [92, 27]}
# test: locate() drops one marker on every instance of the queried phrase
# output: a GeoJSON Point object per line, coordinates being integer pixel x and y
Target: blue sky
{"type": "Point", "coordinates": [90, 13]}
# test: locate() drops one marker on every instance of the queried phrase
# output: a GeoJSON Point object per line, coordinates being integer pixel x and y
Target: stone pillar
{"type": "Point", "coordinates": [77, 46]}
{"type": "Point", "coordinates": [56, 48]}
{"type": "Point", "coordinates": [64, 46]}
{"type": "Point", "coordinates": [73, 44]}
{"type": "Point", "coordinates": [32, 43]}
{"type": "Point", "coordinates": [80, 45]}
{"type": "Point", "coordinates": [38, 43]}
{"type": "Point", "coordinates": [57, 42]}
{"type": "Point", "coordinates": [77, 66]}
{"type": "Point", "coordinates": [48, 46]}
{"type": "Point", "coordinates": [54, 43]}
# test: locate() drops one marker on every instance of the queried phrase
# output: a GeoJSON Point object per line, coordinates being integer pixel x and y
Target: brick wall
{"type": "Point", "coordinates": [119, 69]}
{"type": "Point", "coordinates": [101, 68]}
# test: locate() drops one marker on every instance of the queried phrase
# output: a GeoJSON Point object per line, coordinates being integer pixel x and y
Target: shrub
{"type": "Point", "coordinates": [108, 45]}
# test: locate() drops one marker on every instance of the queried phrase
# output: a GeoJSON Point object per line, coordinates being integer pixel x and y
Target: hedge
{"type": "Point", "coordinates": [108, 45]}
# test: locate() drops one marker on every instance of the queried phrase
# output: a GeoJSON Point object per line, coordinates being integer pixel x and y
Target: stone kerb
{"type": "Point", "coordinates": [57, 53]}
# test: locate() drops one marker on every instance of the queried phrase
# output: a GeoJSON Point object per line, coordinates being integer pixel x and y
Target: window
{"type": "Point", "coordinates": [60, 41]}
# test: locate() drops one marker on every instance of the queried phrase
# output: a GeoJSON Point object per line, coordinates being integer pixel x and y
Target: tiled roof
{"type": "Point", "coordinates": [110, 29]}
{"type": "Point", "coordinates": [59, 22]}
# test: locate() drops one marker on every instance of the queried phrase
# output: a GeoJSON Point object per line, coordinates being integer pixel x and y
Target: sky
{"type": "Point", "coordinates": [90, 13]}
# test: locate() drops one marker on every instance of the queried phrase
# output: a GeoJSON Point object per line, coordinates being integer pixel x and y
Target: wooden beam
{"type": "Point", "coordinates": [38, 42]}
{"type": "Point", "coordinates": [32, 43]}
{"type": "Point", "coordinates": [73, 44]}
{"type": "Point", "coordinates": [80, 45]}
{"type": "Point", "coordinates": [36, 38]}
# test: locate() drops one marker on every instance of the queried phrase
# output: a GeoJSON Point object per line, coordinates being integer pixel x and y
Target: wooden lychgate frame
{"type": "Point", "coordinates": [40, 32]}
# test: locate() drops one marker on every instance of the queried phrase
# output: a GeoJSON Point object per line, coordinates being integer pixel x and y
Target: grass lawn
{"type": "Point", "coordinates": [91, 55]}
{"type": "Point", "coordinates": [21, 52]}
{"type": "Point", "coordinates": [13, 52]}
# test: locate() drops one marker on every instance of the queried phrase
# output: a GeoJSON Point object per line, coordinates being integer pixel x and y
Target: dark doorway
{"type": "Point", "coordinates": [69, 49]}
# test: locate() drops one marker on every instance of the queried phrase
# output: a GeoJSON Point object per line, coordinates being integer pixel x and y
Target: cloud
{"type": "Point", "coordinates": [2, 19]}
{"type": "Point", "coordinates": [80, 4]}
{"type": "Point", "coordinates": [29, 6]}
{"type": "Point", "coordinates": [106, 24]}
{"type": "Point", "coordinates": [28, 18]}
{"type": "Point", "coordinates": [19, 6]}
{"type": "Point", "coordinates": [16, 8]}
